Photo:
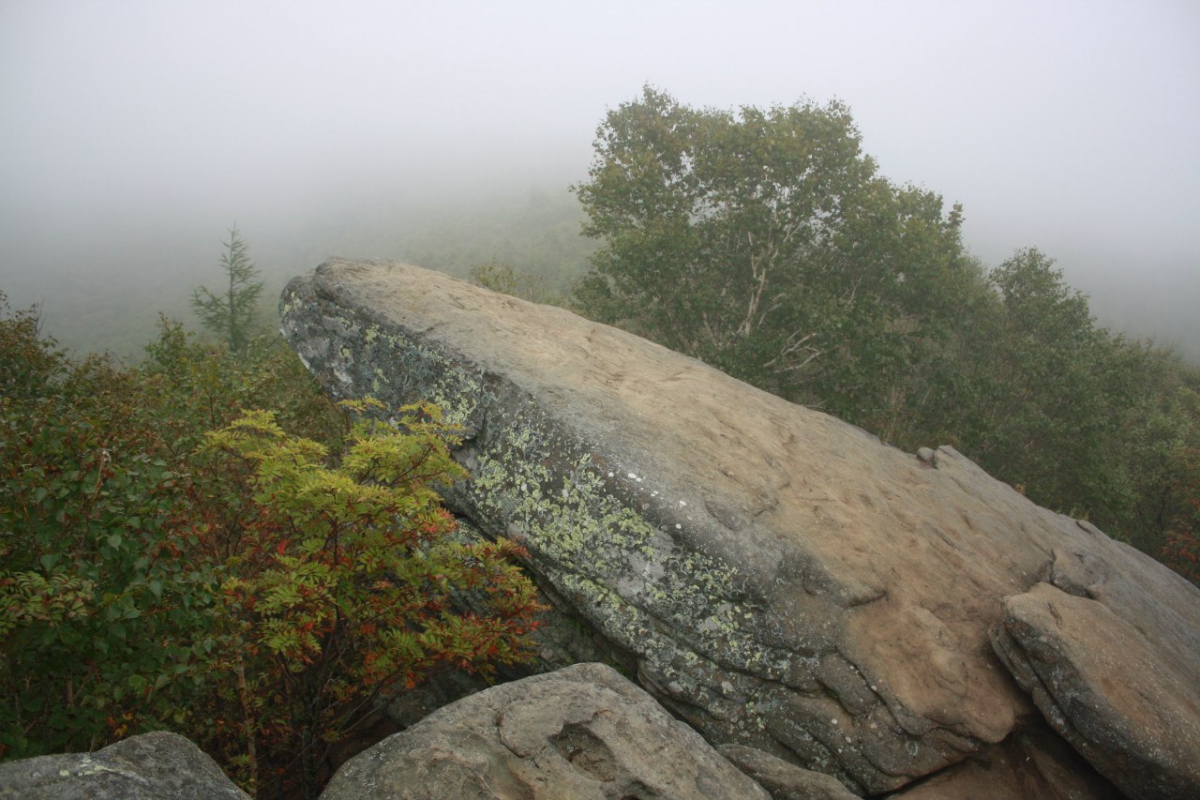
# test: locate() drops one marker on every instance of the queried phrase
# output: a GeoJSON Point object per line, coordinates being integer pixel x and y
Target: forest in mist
{"type": "Point", "coordinates": [104, 292]}
{"type": "Point", "coordinates": [448, 135]}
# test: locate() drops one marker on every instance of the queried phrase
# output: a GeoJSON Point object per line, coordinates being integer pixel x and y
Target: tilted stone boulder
{"type": "Point", "coordinates": [153, 766]}
{"type": "Point", "coordinates": [781, 579]}
{"type": "Point", "coordinates": [583, 732]}
{"type": "Point", "coordinates": [1124, 691]}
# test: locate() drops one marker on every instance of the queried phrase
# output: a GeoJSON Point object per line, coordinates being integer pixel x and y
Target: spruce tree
{"type": "Point", "coordinates": [230, 313]}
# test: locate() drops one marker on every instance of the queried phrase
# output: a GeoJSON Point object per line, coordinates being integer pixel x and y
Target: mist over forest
{"type": "Point", "coordinates": [103, 289]}
{"type": "Point", "coordinates": [133, 139]}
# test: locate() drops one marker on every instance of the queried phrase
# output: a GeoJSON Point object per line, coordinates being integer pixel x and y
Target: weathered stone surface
{"type": "Point", "coordinates": [782, 779]}
{"type": "Point", "coordinates": [153, 766]}
{"type": "Point", "coordinates": [1124, 691]}
{"type": "Point", "coordinates": [782, 579]}
{"type": "Point", "coordinates": [583, 732]}
{"type": "Point", "coordinates": [1033, 763]}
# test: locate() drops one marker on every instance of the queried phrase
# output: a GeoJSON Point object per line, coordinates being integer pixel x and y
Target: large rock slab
{"type": "Point", "coordinates": [153, 766]}
{"type": "Point", "coordinates": [780, 578]}
{"type": "Point", "coordinates": [1125, 698]}
{"type": "Point", "coordinates": [583, 732]}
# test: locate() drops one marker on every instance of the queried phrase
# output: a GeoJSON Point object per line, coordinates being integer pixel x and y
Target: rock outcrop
{"type": "Point", "coordinates": [154, 766]}
{"type": "Point", "coordinates": [781, 579]}
{"type": "Point", "coordinates": [583, 732]}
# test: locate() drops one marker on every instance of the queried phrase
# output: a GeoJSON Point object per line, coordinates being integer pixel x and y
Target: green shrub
{"type": "Point", "coordinates": [339, 587]}
{"type": "Point", "coordinates": [255, 590]}
{"type": "Point", "coordinates": [96, 597]}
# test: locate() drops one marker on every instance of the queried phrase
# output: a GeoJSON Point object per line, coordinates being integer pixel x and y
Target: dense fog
{"type": "Point", "coordinates": [133, 135]}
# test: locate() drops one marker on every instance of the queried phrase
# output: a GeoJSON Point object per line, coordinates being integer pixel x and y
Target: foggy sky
{"type": "Point", "coordinates": [150, 127]}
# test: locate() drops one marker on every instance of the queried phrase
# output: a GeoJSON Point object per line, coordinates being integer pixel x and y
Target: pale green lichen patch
{"type": "Point", "coordinates": [457, 393]}
{"type": "Point", "coordinates": [88, 766]}
{"type": "Point", "coordinates": [558, 499]}
{"type": "Point", "coordinates": [397, 370]}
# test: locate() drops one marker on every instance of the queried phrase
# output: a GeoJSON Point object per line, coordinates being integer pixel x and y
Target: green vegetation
{"type": "Point", "coordinates": [518, 283]}
{"type": "Point", "coordinates": [229, 315]}
{"type": "Point", "coordinates": [764, 243]}
{"type": "Point", "coordinates": [256, 580]}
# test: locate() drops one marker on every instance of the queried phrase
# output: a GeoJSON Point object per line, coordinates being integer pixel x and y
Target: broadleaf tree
{"type": "Point", "coordinates": [1078, 416]}
{"type": "Point", "coordinates": [229, 313]}
{"type": "Point", "coordinates": [765, 243]}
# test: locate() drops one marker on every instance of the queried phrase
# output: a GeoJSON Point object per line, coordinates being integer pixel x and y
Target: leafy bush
{"type": "Point", "coordinates": [257, 591]}
{"type": "Point", "coordinates": [95, 598]}
{"type": "Point", "coordinates": [340, 585]}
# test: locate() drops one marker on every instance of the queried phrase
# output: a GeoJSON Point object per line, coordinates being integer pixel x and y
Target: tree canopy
{"type": "Point", "coordinates": [765, 243]}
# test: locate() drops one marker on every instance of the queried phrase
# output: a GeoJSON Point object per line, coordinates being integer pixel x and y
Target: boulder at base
{"type": "Point", "coordinates": [153, 766]}
{"type": "Point", "coordinates": [1125, 698]}
{"type": "Point", "coordinates": [583, 732]}
{"type": "Point", "coordinates": [780, 578]}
